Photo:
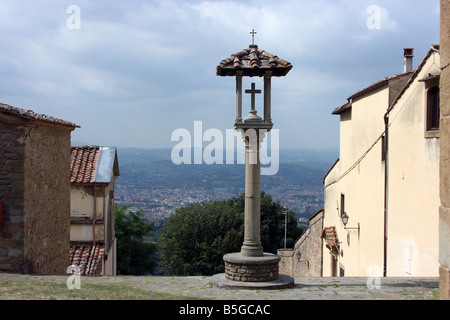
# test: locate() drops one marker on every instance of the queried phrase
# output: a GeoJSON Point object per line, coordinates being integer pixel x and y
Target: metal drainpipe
{"type": "Point", "coordinates": [386, 174]}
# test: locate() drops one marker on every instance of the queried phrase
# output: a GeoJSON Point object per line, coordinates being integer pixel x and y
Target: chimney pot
{"type": "Point", "coordinates": [408, 54]}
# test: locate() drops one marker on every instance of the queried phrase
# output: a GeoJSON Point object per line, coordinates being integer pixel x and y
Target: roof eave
{"type": "Point", "coordinates": [32, 117]}
{"type": "Point", "coordinates": [253, 72]}
{"type": "Point", "coordinates": [342, 109]}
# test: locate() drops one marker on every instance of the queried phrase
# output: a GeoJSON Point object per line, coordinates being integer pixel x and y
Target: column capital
{"type": "Point", "coordinates": [268, 74]}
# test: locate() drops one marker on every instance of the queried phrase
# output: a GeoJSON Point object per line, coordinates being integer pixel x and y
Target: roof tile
{"type": "Point", "coordinates": [33, 116]}
{"type": "Point", "coordinates": [88, 257]}
{"type": "Point", "coordinates": [330, 236]}
{"type": "Point", "coordinates": [83, 164]}
{"type": "Point", "coordinates": [254, 62]}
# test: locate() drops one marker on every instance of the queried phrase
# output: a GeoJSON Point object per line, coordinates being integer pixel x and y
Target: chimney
{"type": "Point", "coordinates": [408, 54]}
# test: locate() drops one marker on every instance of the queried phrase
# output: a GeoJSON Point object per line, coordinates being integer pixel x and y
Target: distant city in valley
{"type": "Point", "coordinates": [150, 181]}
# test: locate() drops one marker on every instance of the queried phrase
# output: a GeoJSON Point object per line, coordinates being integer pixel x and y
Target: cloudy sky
{"type": "Point", "coordinates": [131, 72]}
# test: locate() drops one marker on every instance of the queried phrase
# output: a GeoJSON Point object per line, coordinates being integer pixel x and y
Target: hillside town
{"type": "Point", "coordinates": [160, 203]}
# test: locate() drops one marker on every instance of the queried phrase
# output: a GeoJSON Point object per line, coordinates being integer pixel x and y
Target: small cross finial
{"type": "Point", "coordinates": [253, 32]}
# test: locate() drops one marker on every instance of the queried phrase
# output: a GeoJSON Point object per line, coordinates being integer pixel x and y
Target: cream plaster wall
{"type": "Point", "coordinates": [82, 203]}
{"type": "Point", "coordinates": [359, 176]}
{"type": "Point", "coordinates": [413, 206]}
{"type": "Point", "coordinates": [413, 187]}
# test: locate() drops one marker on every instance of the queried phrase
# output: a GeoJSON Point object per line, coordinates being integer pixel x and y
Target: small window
{"type": "Point", "coordinates": [342, 204]}
{"type": "Point", "coordinates": [433, 113]}
{"type": "Point", "coordinates": [334, 265]}
{"type": "Point", "coordinates": [341, 271]}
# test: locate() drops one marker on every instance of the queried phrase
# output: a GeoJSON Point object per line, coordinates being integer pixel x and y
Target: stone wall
{"type": "Point", "coordinates": [35, 190]}
{"type": "Point", "coordinates": [251, 273]}
{"type": "Point", "coordinates": [11, 194]}
{"type": "Point", "coordinates": [444, 214]}
{"type": "Point", "coordinates": [47, 200]}
{"type": "Point", "coordinates": [305, 259]}
{"type": "Point", "coordinates": [286, 265]}
{"type": "Point", "coordinates": [251, 269]}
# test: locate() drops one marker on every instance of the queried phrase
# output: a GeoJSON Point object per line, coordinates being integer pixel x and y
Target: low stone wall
{"type": "Point", "coordinates": [286, 262]}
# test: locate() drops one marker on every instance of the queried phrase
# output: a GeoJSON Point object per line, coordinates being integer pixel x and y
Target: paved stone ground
{"type": "Point", "coordinates": [346, 288]}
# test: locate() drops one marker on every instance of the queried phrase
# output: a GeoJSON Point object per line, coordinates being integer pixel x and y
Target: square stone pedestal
{"type": "Point", "coordinates": [252, 272]}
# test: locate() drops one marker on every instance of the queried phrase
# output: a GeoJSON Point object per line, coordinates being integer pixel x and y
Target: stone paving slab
{"type": "Point", "coordinates": [326, 288]}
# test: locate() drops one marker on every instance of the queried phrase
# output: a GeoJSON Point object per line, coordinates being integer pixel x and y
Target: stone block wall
{"type": "Point", "coordinates": [12, 195]}
{"type": "Point", "coordinates": [305, 259]}
{"type": "Point", "coordinates": [35, 190]}
{"type": "Point", "coordinates": [286, 262]}
{"type": "Point", "coordinates": [308, 250]}
{"type": "Point", "coordinates": [444, 212]}
{"type": "Point", "coordinates": [251, 273]}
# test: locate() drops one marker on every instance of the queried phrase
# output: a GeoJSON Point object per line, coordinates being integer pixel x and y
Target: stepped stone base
{"type": "Point", "coordinates": [251, 272]}
{"type": "Point", "coordinates": [283, 282]}
{"type": "Point", "coordinates": [251, 269]}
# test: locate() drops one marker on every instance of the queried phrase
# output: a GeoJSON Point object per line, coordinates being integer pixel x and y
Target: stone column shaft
{"type": "Point", "coordinates": [267, 96]}
{"type": "Point", "coordinates": [252, 239]}
{"type": "Point", "coordinates": [239, 75]}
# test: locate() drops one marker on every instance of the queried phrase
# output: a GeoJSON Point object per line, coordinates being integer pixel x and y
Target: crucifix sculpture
{"type": "Point", "coordinates": [253, 91]}
{"type": "Point", "coordinates": [252, 117]}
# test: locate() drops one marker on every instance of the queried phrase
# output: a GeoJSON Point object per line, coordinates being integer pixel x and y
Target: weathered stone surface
{"type": "Point", "coordinates": [444, 82]}
{"type": "Point", "coordinates": [47, 199]}
{"type": "Point", "coordinates": [444, 162]}
{"type": "Point", "coordinates": [444, 283]}
{"type": "Point", "coordinates": [35, 191]}
{"type": "Point", "coordinates": [282, 282]}
{"type": "Point", "coordinates": [444, 235]}
{"type": "Point", "coordinates": [11, 194]}
{"type": "Point", "coordinates": [444, 216]}
{"type": "Point", "coordinates": [305, 259]}
{"type": "Point", "coordinates": [251, 269]}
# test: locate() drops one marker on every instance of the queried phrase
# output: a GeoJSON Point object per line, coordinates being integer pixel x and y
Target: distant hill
{"type": "Point", "coordinates": [139, 155]}
{"type": "Point", "coordinates": [153, 168]}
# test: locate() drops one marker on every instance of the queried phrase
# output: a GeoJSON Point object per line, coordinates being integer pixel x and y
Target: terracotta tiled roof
{"type": "Point", "coordinates": [254, 62]}
{"type": "Point", "coordinates": [343, 108]}
{"type": "Point", "coordinates": [93, 164]}
{"type": "Point", "coordinates": [83, 164]}
{"type": "Point", "coordinates": [367, 89]}
{"type": "Point", "coordinates": [88, 257]}
{"type": "Point", "coordinates": [33, 116]}
{"type": "Point", "coordinates": [330, 236]}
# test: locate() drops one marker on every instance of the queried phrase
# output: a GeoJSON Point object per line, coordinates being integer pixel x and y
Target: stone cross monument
{"type": "Point", "coordinates": [252, 267]}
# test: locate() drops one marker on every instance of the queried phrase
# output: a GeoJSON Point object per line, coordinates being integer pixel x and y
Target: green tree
{"type": "Point", "coordinates": [195, 238]}
{"type": "Point", "coordinates": [133, 254]}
